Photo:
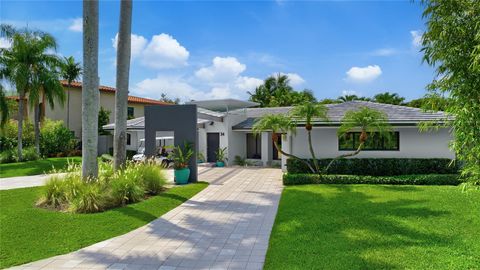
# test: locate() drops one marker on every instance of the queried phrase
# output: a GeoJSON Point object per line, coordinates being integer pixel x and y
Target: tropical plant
{"type": "Point", "coordinates": [90, 94]}
{"type": "Point", "coordinates": [70, 72]}
{"type": "Point", "coordinates": [451, 45]}
{"type": "Point", "coordinates": [153, 177]}
{"type": "Point", "coordinates": [221, 154]}
{"type": "Point", "coordinates": [305, 114]}
{"type": "Point", "coordinates": [103, 119]}
{"type": "Point", "coordinates": [56, 138]}
{"type": "Point", "coordinates": [278, 123]}
{"type": "Point", "coordinates": [276, 91]}
{"type": "Point", "coordinates": [389, 98]}
{"type": "Point", "coordinates": [200, 157]}
{"type": "Point", "coordinates": [369, 121]}
{"type": "Point", "coordinates": [28, 66]}
{"type": "Point", "coordinates": [4, 109]}
{"type": "Point", "coordinates": [121, 95]}
{"type": "Point", "coordinates": [347, 98]}
{"type": "Point", "coordinates": [181, 155]}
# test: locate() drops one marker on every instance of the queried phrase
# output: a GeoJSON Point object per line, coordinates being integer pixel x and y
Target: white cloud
{"type": "Point", "coordinates": [247, 83]}
{"type": "Point", "coordinates": [295, 79]}
{"type": "Point", "coordinates": [76, 25]}
{"type": "Point", "coordinates": [164, 51]}
{"type": "Point", "coordinates": [416, 38]}
{"type": "Point", "coordinates": [5, 43]}
{"type": "Point", "coordinates": [173, 86]}
{"type": "Point", "coordinates": [223, 69]}
{"type": "Point", "coordinates": [349, 92]}
{"type": "Point", "coordinates": [364, 74]}
{"type": "Point", "coordinates": [384, 52]}
{"type": "Point", "coordinates": [138, 44]}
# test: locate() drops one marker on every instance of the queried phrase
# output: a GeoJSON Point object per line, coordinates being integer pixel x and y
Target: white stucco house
{"type": "Point", "coordinates": [228, 123]}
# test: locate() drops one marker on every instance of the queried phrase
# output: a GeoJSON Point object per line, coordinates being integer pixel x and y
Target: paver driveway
{"type": "Point", "coordinates": [225, 226]}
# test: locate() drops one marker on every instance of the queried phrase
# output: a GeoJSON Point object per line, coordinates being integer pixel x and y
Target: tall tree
{"type": "Point", "coordinates": [305, 114]}
{"type": "Point", "coordinates": [71, 71]}
{"type": "Point", "coordinates": [276, 91]}
{"type": "Point", "coordinates": [28, 65]}
{"type": "Point", "coordinates": [347, 98]}
{"type": "Point", "coordinates": [369, 121]}
{"type": "Point", "coordinates": [278, 123]}
{"type": "Point", "coordinates": [90, 92]}
{"type": "Point", "coordinates": [451, 45]}
{"type": "Point", "coordinates": [123, 72]}
{"type": "Point", "coordinates": [48, 88]}
{"type": "Point", "coordinates": [389, 98]}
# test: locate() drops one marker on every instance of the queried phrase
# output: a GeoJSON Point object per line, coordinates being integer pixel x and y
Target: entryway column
{"type": "Point", "coordinates": [286, 147]}
{"type": "Point", "coordinates": [267, 151]}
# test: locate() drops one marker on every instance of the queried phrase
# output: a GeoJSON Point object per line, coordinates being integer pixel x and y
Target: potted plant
{"type": "Point", "coordinates": [181, 156]}
{"type": "Point", "coordinates": [221, 157]}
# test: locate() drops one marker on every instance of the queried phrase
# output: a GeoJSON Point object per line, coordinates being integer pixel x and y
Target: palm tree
{"type": "Point", "coordinates": [90, 93]}
{"type": "Point", "coordinates": [123, 72]}
{"type": "Point", "coordinates": [270, 92]}
{"type": "Point", "coordinates": [306, 113]}
{"type": "Point", "coordinates": [71, 71]}
{"type": "Point", "coordinates": [278, 123]}
{"type": "Point", "coordinates": [369, 121]}
{"type": "Point", "coordinates": [49, 89]}
{"type": "Point", "coordinates": [389, 98]}
{"type": "Point", "coordinates": [4, 111]}
{"type": "Point", "coordinates": [347, 98]}
{"type": "Point", "coordinates": [28, 65]}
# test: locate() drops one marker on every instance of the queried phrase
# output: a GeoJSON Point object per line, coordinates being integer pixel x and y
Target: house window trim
{"type": "Point", "coordinates": [257, 140]}
{"type": "Point", "coordinates": [129, 139]}
{"type": "Point", "coordinates": [396, 134]}
{"type": "Point", "coordinates": [130, 116]}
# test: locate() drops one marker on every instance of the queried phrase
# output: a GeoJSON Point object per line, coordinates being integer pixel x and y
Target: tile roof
{"type": "Point", "coordinates": [131, 99]}
{"type": "Point", "coordinates": [399, 115]}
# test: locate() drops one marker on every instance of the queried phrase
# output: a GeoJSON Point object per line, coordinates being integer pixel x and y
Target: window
{"type": "Point", "coordinates": [130, 113]}
{"type": "Point", "coordinates": [254, 146]}
{"type": "Point", "coordinates": [129, 138]}
{"type": "Point", "coordinates": [351, 141]}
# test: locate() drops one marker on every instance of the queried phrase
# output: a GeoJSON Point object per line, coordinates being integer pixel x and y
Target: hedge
{"type": "Point", "coordinates": [380, 166]}
{"type": "Point", "coordinates": [415, 179]}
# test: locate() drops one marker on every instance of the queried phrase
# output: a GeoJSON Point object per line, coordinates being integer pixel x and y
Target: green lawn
{"type": "Point", "coordinates": [35, 167]}
{"type": "Point", "coordinates": [376, 227]}
{"type": "Point", "coordinates": [28, 233]}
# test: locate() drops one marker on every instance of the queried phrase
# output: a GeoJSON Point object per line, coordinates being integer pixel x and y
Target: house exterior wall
{"type": "Point", "coordinates": [413, 144]}
{"type": "Point", "coordinates": [107, 101]}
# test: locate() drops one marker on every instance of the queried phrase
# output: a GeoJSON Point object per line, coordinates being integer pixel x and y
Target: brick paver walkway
{"type": "Point", "coordinates": [225, 226]}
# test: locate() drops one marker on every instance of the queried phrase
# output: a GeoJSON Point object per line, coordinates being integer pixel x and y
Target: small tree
{"type": "Point", "coordinates": [103, 119]}
{"type": "Point", "coordinates": [278, 123]}
{"type": "Point", "coordinates": [70, 71]}
{"type": "Point", "coordinates": [307, 112]}
{"type": "Point", "coordinates": [368, 121]}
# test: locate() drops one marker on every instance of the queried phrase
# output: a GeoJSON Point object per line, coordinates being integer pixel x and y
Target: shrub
{"type": "Point", "coordinates": [56, 139]}
{"type": "Point", "coordinates": [153, 178]}
{"type": "Point", "coordinates": [29, 154]}
{"type": "Point", "coordinates": [89, 198]}
{"type": "Point", "coordinates": [9, 132]}
{"type": "Point", "coordinates": [380, 166]}
{"type": "Point", "coordinates": [415, 179]}
{"type": "Point", "coordinates": [54, 194]}
{"type": "Point", "coordinates": [8, 156]}
{"type": "Point", "coordinates": [127, 186]}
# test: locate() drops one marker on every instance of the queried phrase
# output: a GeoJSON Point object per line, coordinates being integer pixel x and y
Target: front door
{"type": "Point", "coordinates": [213, 143]}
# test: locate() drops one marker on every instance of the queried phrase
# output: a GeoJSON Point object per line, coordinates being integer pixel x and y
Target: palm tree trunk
{"type": "Point", "coordinates": [279, 149]}
{"type": "Point", "coordinates": [90, 92]}
{"type": "Point", "coordinates": [123, 72]}
{"type": "Point", "coordinates": [36, 125]}
{"type": "Point", "coordinates": [360, 146]}
{"type": "Point", "coordinates": [312, 152]}
{"type": "Point", "coordinates": [21, 105]}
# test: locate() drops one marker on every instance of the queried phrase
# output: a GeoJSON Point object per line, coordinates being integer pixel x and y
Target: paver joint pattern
{"type": "Point", "coordinates": [225, 226]}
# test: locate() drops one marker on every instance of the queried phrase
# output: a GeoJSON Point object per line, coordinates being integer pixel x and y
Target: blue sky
{"type": "Point", "coordinates": [199, 50]}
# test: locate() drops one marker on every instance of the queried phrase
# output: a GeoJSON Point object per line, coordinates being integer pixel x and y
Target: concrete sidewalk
{"type": "Point", "coordinates": [225, 226]}
{"type": "Point", "coordinates": [24, 181]}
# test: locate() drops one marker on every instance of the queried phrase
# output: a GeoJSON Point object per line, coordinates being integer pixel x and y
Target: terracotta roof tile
{"type": "Point", "coordinates": [109, 89]}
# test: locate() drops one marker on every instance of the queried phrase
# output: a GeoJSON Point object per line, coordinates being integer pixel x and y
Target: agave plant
{"type": "Point", "coordinates": [181, 155]}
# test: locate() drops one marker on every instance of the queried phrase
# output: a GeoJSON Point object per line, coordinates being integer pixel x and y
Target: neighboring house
{"type": "Point", "coordinates": [228, 123]}
{"type": "Point", "coordinates": [71, 112]}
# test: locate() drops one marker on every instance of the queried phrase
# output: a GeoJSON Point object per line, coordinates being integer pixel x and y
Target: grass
{"type": "Point", "coordinates": [28, 233]}
{"type": "Point", "coordinates": [376, 227]}
{"type": "Point", "coordinates": [36, 167]}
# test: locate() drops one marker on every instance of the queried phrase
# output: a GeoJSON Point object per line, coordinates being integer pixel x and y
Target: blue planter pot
{"type": "Point", "coordinates": [181, 176]}
{"type": "Point", "coordinates": [220, 164]}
